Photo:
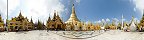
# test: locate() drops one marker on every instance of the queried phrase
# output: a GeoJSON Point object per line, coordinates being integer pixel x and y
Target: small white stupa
{"type": "Point", "coordinates": [133, 26]}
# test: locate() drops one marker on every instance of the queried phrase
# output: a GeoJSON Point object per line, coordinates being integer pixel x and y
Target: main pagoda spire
{"type": "Point", "coordinates": [73, 16]}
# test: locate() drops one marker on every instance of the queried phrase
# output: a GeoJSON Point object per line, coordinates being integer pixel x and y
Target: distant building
{"type": "Point", "coordinates": [126, 27]}
{"type": "Point", "coordinates": [90, 27]}
{"type": "Point", "coordinates": [56, 23]}
{"type": "Point", "coordinates": [112, 26]}
{"type": "Point", "coordinates": [97, 27]}
{"type": "Point", "coordinates": [1, 24]}
{"type": "Point", "coordinates": [20, 24]}
{"type": "Point", "coordinates": [141, 24]}
{"type": "Point", "coordinates": [40, 26]}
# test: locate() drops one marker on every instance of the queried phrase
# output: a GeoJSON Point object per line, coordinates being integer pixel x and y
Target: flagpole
{"type": "Point", "coordinates": [122, 22]}
{"type": "Point", "coordinates": [7, 17]}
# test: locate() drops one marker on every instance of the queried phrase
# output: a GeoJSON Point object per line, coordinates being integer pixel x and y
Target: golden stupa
{"type": "Point", "coordinates": [73, 18]}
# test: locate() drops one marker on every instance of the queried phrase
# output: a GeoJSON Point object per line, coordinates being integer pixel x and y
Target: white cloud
{"type": "Point", "coordinates": [136, 20]}
{"type": "Point", "coordinates": [108, 20]}
{"type": "Point", "coordinates": [99, 21]}
{"type": "Point", "coordinates": [3, 8]}
{"type": "Point", "coordinates": [78, 1]}
{"type": "Point", "coordinates": [115, 21]}
{"type": "Point", "coordinates": [124, 19]}
{"type": "Point", "coordinates": [139, 5]}
{"type": "Point", "coordinates": [103, 20]}
{"type": "Point", "coordinates": [38, 9]}
{"type": "Point", "coordinates": [12, 5]}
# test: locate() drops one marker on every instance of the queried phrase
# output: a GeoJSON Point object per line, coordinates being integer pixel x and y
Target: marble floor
{"type": "Point", "coordinates": [72, 35]}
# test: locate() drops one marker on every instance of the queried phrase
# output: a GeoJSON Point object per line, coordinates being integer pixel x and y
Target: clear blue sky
{"type": "Point", "coordinates": [94, 10]}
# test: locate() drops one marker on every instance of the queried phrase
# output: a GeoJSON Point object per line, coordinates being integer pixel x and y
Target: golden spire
{"type": "Point", "coordinates": [57, 15]}
{"type": "Point", "coordinates": [49, 19]}
{"type": "Point", "coordinates": [54, 14]}
{"type": "Point", "coordinates": [73, 16]}
{"type": "Point", "coordinates": [31, 20]}
{"type": "Point", "coordinates": [38, 21]}
{"type": "Point", "coordinates": [20, 14]}
{"type": "Point", "coordinates": [132, 18]}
